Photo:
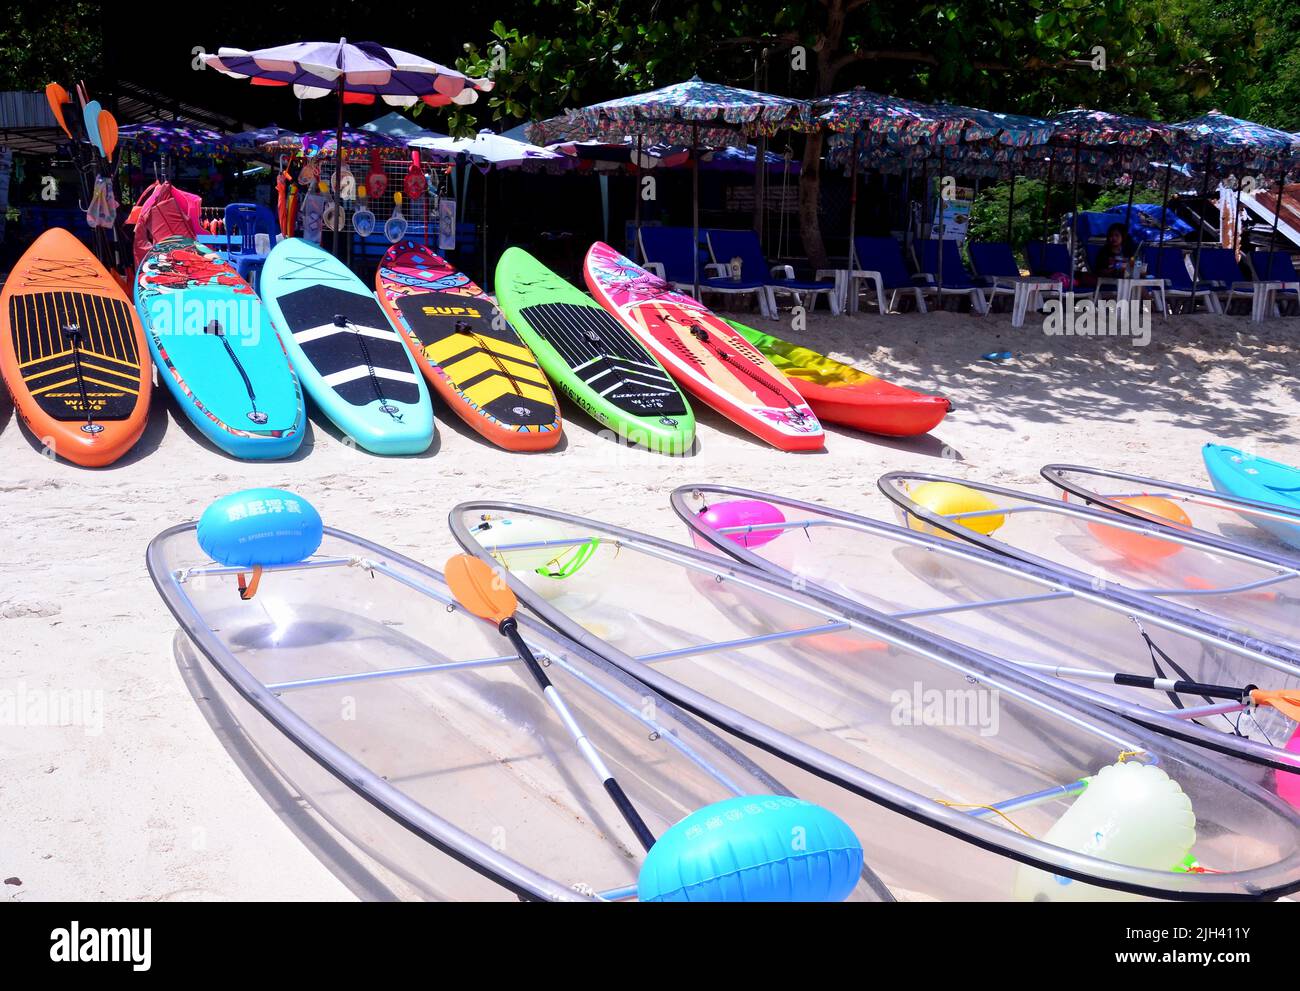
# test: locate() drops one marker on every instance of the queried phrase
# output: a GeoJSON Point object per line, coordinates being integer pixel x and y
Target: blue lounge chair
{"type": "Point", "coordinates": [243, 222]}
{"type": "Point", "coordinates": [1171, 265]}
{"type": "Point", "coordinates": [1277, 266]}
{"type": "Point", "coordinates": [667, 252]}
{"type": "Point", "coordinates": [1219, 268]}
{"type": "Point", "coordinates": [754, 266]}
{"type": "Point", "coordinates": [880, 264]}
{"type": "Point", "coordinates": [954, 280]}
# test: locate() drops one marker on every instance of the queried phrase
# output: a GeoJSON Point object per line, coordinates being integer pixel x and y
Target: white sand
{"type": "Point", "coordinates": [153, 808]}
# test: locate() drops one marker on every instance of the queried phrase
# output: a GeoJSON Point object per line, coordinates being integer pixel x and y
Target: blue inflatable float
{"type": "Point", "coordinates": [260, 527]}
{"type": "Point", "coordinates": [753, 848]}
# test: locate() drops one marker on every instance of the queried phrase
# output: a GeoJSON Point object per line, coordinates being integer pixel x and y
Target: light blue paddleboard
{"type": "Point", "coordinates": [217, 351]}
{"type": "Point", "coordinates": [1259, 480]}
{"type": "Point", "coordinates": [349, 356]}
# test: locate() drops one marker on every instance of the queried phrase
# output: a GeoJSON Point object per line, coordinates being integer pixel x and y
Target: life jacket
{"type": "Point", "coordinates": [163, 211]}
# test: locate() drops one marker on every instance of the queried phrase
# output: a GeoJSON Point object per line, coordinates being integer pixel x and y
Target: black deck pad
{"type": "Point", "coordinates": [607, 358]}
{"type": "Point", "coordinates": [105, 341]}
{"type": "Point", "coordinates": [348, 349]}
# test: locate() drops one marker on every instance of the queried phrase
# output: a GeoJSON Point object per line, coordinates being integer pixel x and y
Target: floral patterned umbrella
{"type": "Point", "coordinates": [326, 142]}
{"type": "Point", "coordinates": [175, 139]}
{"type": "Point", "coordinates": [694, 112]}
{"type": "Point", "coordinates": [1243, 143]}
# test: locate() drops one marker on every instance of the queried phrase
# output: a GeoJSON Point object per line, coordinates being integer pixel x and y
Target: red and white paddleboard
{"type": "Point", "coordinates": [703, 352]}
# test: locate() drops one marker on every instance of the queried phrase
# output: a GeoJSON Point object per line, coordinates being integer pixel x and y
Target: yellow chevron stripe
{"type": "Point", "coordinates": [53, 385]}
{"type": "Point", "coordinates": [48, 371]}
{"type": "Point", "coordinates": [497, 386]}
{"type": "Point", "coordinates": [86, 352]}
{"type": "Point", "coordinates": [454, 344]}
{"type": "Point", "coordinates": [117, 386]}
{"type": "Point", "coordinates": [93, 367]}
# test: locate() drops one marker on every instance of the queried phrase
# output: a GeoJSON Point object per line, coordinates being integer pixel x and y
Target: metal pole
{"type": "Point", "coordinates": [1011, 205]}
{"type": "Point", "coordinates": [1164, 210]}
{"type": "Point", "coordinates": [695, 206]}
{"type": "Point", "coordinates": [1200, 227]}
{"type": "Point", "coordinates": [636, 206]}
{"type": "Point", "coordinates": [939, 202]}
{"type": "Point", "coordinates": [1236, 216]}
{"type": "Point", "coordinates": [1277, 216]}
{"type": "Point", "coordinates": [1047, 199]}
{"type": "Point", "coordinates": [338, 152]}
{"type": "Point", "coordinates": [1074, 211]}
{"type": "Point", "coordinates": [853, 204]}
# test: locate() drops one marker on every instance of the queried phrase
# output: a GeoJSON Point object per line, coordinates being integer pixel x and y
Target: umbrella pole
{"type": "Point", "coordinates": [1132, 189]}
{"type": "Point", "coordinates": [695, 205]}
{"type": "Point", "coordinates": [487, 281]}
{"type": "Point", "coordinates": [338, 160]}
{"type": "Point", "coordinates": [1164, 210]}
{"type": "Point", "coordinates": [1011, 206]}
{"type": "Point", "coordinates": [938, 200]}
{"type": "Point", "coordinates": [760, 186]}
{"type": "Point", "coordinates": [1200, 226]}
{"type": "Point", "coordinates": [1047, 201]}
{"type": "Point", "coordinates": [1236, 217]}
{"type": "Point", "coordinates": [1074, 212]}
{"type": "Point", "coordinates": [1277, 216]}
{"type": "Point", "coordinates": [636, 204]}
{"type": "Point", "coordinates": [853, 206]}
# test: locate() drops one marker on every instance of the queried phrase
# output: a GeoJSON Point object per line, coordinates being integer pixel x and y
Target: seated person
{"type": "Point", "coordinates": [1114, 257]}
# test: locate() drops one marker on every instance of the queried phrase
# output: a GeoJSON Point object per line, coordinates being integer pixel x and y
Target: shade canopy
{"type": "Point", "coordinates": [363, 71]}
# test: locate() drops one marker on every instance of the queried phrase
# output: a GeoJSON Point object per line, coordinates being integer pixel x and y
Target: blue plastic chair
{"type": "Point", "coordinates": [880, 263]}
{"type": "Point", "coordinates": [667, 252]}
{"type": "Point", "coordinates": [1169, 264]}
{"type": "Point", "coordinates": [1277, 266]}
{"type": "Point", "coordinates": [955, 280]}
{"type": "Point", "coordinates": [245, 221]}
{"type": "Point", "coordinates": [1219, 269]}
{"type": "Point", "coordinates": [754, 267]}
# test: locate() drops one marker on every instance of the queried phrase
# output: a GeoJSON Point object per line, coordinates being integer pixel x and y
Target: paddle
{"type": "Point", "coordinates": [483, 592]}
{"type": "Point", "coordinates": [1286, 701]}
{"type": "Point", "coordinates": [108, 133]}
{"type": "Point", "coordinates": [58, 96]}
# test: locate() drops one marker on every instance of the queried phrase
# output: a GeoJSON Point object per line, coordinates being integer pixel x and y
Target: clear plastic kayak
{"type": "Point", "coordinates": [1264, 529]}
{"type": "Point", "coordinates": [1012, 610]}
{"type": "Point", "coordinates": [1229, 593]}
{"type": "Point", "coordinates": [408, 726]}
{"type": "Point", "coordinates": [966, 777]}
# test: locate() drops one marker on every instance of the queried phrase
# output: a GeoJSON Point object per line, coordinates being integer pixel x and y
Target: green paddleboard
{"type": "Point", "coordinates": [588, 354]}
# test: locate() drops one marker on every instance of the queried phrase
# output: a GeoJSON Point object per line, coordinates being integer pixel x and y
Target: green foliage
{"type": "Point", "coordinates": [43, 43]}
{"type": "Point", "coordinates": [988, 216]}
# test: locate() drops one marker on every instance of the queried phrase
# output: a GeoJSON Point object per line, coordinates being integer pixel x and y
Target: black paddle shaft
{"type": "Point", "coordinates": [1185, 687]}
{"type": "Point", "coordinates": [510, 630]}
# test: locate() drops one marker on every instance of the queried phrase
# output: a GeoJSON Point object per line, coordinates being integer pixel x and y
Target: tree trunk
{"type": "Point", "coordinates": [810, 187]}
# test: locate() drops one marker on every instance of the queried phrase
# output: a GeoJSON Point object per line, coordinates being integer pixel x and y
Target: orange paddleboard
{"type": "Point", "coordinates": [72, 352]}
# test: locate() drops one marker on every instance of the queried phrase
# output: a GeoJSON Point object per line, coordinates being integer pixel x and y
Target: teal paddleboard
{"type": "Point", "coordinates": [348, 355]}
{"type": "Point", "coordinates": [218, 352]}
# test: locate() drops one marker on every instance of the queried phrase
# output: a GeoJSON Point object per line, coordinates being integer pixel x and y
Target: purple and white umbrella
{"type": "Point", "coordinates": [358, 72]}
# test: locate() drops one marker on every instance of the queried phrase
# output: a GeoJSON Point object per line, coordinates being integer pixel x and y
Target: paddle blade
{"type": "Point", "coordinates": [108, 133]}
{"type": "Point", "coordinates": [1284, 700]}
{"type": "Point", "coordinates": [480, 589]}
{"type": "Point", "coordinates": [58, 96]}
{"type": "Point", "coordinates": [91, 118]}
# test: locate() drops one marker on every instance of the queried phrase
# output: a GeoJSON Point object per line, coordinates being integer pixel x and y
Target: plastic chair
{"type": "Point", "coordinates": [754, 267]}
{"type": "Point", "coordinates": [1277, 266]}
{"type": "Point", "coordinates": [667, 253]}
{"type": "Point", "coordinates": [881, 264]}
{"type": "Point", "coordinates": [245, 221]}
{"type": "Point", "coordinates": [1170, 264]}
{"type": "Point", "coordinates": [1219, 268]}
{"type": "Point", "coordinates": [956, 280]}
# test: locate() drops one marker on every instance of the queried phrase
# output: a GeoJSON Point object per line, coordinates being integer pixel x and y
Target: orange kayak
{"type": "Point", "coordinates": [840, 393]}
{"type": "Point", "coordinates": [72, 352]}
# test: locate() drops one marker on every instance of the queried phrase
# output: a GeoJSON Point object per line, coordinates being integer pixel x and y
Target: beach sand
{"type": "Point", "coordinates": [140, 800]}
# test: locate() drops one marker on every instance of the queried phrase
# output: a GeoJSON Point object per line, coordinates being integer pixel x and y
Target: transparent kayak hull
{"type": "Point", "coordinates": [950, 765]}
{"type": "Point", "coordinates": [1229, 594]}
{"type": "Point", "coordinates": [409, 727]}
{"type": "Point", "coordinates": [1012, 610]}
{"type": "Point", "coordinates": [1265, 530]}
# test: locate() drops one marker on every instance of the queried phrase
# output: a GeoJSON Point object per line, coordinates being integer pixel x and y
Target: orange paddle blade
{"type": "Point", "coordinates": [108, 133]}
{"type": "Point", "coordinates": [1284, 700]}
{"type": "Point", "coordinates": [58, 96]}
{"type": "Point", "coordinates": [480, 589]}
